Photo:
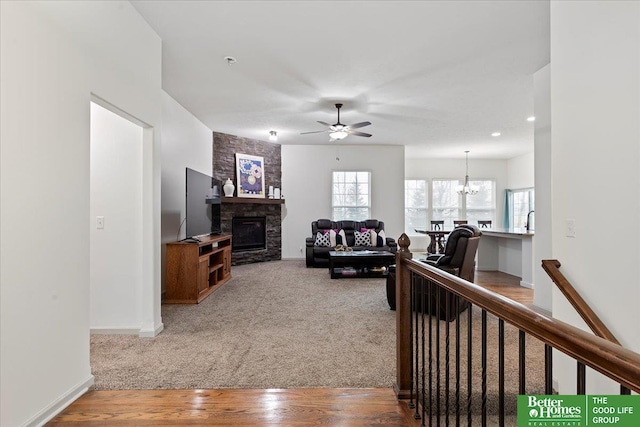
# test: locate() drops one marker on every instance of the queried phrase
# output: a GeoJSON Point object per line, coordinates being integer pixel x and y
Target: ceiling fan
{"type": "Point", "coordinates": [340, 131]}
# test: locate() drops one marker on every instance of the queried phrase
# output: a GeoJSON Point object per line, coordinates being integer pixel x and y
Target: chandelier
{"type": "Point", "coordinates": [466, 188]}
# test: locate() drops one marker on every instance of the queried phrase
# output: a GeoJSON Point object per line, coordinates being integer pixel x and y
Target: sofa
{"type": "Point", "coordinates": [326, 235]}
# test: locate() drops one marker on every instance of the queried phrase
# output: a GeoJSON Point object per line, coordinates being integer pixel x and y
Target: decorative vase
{"type": "Point", "coordinates": [228, 188]}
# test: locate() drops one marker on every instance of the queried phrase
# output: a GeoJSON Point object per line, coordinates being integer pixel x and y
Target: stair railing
{"type": "Point", "coordinates": [429, 351]}
{"type": "Point", "coordinates": [597, 326]}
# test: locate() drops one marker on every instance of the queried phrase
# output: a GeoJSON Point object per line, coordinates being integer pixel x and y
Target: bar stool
{"type": "Point", "coordinates": [484, 223]}
{"type": "Point", "coordinates": [457, 222]}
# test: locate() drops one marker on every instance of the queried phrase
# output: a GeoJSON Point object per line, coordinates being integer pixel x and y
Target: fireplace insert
{"type": "Point", "coordinates": [249, 233]}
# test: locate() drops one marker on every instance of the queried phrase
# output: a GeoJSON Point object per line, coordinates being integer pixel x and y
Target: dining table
{"type": "Point", "coordinates": [437, 239]}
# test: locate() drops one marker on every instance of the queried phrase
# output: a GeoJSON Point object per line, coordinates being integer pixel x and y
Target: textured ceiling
{"type": "Point", "coordinates": [437, 77]}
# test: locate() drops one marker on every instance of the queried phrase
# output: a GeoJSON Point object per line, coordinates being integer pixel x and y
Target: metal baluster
{"type": "Point", "coordinates": [484, 368]}
{"type": "Point", "coordinates": [429, 308]}
{"type": "Point", "coordinates": [423, 292]}
{"type": "Point", "coordinates": [438, 355]}
{"type": "Point", "coordinates": [548, 369]}
{"type": "Point", "coordinates": [469, 363]}
{"type": "Point", "coordinates": [522, 363]}
{"type": "Point", "coordinates": [581, 385]}
{"type": "Point", "coordinates": [456, 302]}
{"type": "Point", "coordinates": [501, 372]}
{"type": "Point", "coordinates": [414, 311]}
{"type": "Point", "coordinates": [447, 313]}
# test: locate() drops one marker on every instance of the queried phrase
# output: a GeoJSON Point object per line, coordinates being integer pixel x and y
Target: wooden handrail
{"type": "Point", "coordinates": [612, 360]}
{"type": "Point", "coordinates": [584, 310]}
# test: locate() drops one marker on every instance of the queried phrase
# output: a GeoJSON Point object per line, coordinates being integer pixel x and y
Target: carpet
{"type": "Point", "coordinates": [282, 325]}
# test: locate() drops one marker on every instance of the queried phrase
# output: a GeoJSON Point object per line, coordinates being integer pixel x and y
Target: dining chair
{"type": "Point", "coordinates": [437, 225]}
{"type": "Point", "coordinates": [457, 222]}
{"type": "Point", "coordinates": [484, 223]}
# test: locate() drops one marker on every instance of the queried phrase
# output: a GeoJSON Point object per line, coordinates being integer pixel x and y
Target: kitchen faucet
{"type": "Point", "coordinates": [528, 224]}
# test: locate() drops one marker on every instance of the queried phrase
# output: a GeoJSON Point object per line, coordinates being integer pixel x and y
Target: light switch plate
{"type": "Point", "coordinates": [570, 228]}
{"type": "Point", "coordinates": [99, 222]}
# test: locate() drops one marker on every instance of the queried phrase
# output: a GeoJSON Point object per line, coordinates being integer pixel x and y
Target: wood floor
{"type": "Point", "coordinates": [270, 407]}
{"type": "Point", "coordinates": [234, 407]}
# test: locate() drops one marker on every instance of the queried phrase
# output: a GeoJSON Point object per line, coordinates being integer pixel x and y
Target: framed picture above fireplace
{"type": "Point", "coordinates": [250, 174]}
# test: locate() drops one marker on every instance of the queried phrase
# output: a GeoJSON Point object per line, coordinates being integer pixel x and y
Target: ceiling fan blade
{"type": "Point", "coordinates": [360, 134]}
{"type": "Point", "coordinates": [324, 123]}
{"type": "Point", "coordinates": [359, 125]}
{"type": "Point", "coordinates": [315, 131]}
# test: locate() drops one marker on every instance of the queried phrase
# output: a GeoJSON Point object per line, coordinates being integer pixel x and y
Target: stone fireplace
{"type": "Point", "coordinates": [225, 148]}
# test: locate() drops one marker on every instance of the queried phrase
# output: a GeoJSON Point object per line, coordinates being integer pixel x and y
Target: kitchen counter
{"type": "Point", "coordinates": [509, 251]}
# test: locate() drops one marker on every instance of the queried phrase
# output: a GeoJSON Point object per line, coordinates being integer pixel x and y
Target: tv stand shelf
{"type": "Point", "coordinates": [196, 269]}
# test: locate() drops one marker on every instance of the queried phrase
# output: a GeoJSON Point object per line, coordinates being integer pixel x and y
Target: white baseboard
{"type": "Point", "coordinates": [527, 285]}
{"type": "Point", "coordinates": [150, 333]}
{"type": "Point", "coordinates": [114, 331]}
{"type": "Point", "coordinates": [142, 333]}
{"type": "Point", "coordinates": [487, 268]}
{"type": "Point", "coordinates": [57, 406]}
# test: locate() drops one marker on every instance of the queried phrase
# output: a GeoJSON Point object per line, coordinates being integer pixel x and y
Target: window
{"type": "Point", "coordinates": [351, 195]}
{"type": "Point", "coordinates": [481, 206]}
{"type": "Point", "coordinates": [448, 205]}
{"type": "Point", "coordinates": [415, 205]}
{"type": "Point", "coordinates": [522, 202]}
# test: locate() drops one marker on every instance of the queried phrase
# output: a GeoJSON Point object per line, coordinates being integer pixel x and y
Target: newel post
{"type": "Point", "coordinates": [403, 320]}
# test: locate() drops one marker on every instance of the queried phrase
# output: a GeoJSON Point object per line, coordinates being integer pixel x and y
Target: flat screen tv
{"type": "Point", "coordinates": [203, 204]}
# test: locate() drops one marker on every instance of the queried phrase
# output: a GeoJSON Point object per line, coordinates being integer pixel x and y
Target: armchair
{"type": "Point", "coordinates": [458, 259]}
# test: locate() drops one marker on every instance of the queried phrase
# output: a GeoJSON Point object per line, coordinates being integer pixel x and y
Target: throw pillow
{"type": "Point", "coordinates": [362, 239]}
{"type": "Point", "coordinates": [322, 239]}
{"type": "Point", "coordinates": [332, 238]}
{"type": "Point", "coordinates": [382, 238]}
{"type": "Point", "coordinates": [341, 238]}
{"type": "Point", "coordinates": [374, 237]}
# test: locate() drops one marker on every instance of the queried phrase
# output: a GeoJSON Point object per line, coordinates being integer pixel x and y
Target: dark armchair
{"type": "Point", "coordinates": [458, 259]}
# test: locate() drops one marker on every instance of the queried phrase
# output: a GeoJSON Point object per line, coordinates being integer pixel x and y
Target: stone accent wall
{"type": "Point", "coordinates": [225, 148]}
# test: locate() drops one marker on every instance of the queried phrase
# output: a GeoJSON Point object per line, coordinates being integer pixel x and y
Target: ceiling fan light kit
{"type": "Point", "coordinates": [339, 131]}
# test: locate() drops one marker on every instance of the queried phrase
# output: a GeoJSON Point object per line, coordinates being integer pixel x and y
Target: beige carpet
{"type": "Point", "coordinates": [282, 325]}
{"type": "Point", "coordinates": [275, 324]}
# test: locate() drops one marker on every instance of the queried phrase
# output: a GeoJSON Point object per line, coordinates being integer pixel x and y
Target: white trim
{"type": "Point", "coordinates": [150, 333]}
{"type": "Point", "coordinates": [527, 285]}
{"type": "Point", "coordinates": [114, 331]}
{"type": "Point", "coordinates": [57, 406]}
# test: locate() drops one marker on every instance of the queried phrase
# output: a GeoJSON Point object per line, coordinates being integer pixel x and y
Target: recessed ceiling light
{"type": "Point", "coordinates": [495, 134]}
{"type": "Point", "coordinates": [230, 60]}
{"type": "Point", "coordinates": [531, 119]}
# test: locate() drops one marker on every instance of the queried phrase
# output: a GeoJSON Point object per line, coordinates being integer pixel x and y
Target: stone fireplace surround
{"type": "Point", "coordinates": [225, 147]}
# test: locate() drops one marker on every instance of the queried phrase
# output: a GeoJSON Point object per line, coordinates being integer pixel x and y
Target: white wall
{"type": "Point", "coordinates": [115, 250]}
{"type": "Point", "coordinates": [54, 56]}
{"type": "Point", "coordinates": [186, 143]}
{"type": "Point", "coordinates": [595, 112]}
{"type": "Point", "coordinates": [543, 185]}
{"type": "Point", "coordinates": [306, 184]}
{"type": "Point", "coordinates": [455, 169]}
{"type": "Point", "coordinates": [520, 171]}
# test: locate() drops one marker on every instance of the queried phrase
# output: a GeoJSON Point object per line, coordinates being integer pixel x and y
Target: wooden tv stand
{"type": "Point", "coordinates": [195, 270]}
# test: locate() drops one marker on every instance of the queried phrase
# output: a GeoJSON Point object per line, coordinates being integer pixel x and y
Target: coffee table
{"type": "Point", "coordinates": [360, 263]}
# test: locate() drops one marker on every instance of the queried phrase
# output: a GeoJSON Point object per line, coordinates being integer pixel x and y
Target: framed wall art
{"type": "Point", "coordinates": [250, 179]}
